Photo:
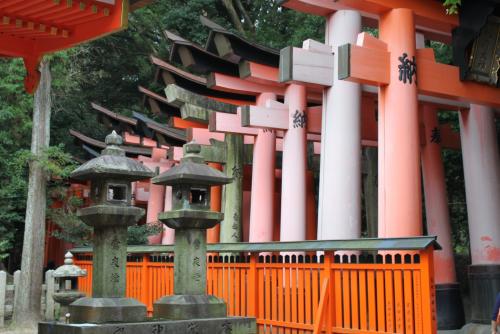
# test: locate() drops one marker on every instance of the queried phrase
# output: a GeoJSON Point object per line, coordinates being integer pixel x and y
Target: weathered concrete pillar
{"type": "Point", "coordinates": [448, 298]}
{"type": "Point", "coordinates": [230, 230]}
{"type": "Point", "coordinates": [263, 166]}
{"type": "Point", "coordinates": [339, 213]}
{"type": "Point", "coordinates": [400, 209]}
{"type": "Point", "coordinates": [293, 180]}
{"type": "Point", "coordinates": [482, 188]}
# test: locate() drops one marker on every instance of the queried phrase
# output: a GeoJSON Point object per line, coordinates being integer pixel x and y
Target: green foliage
{"type": "Point", "coordinates": [71, 228]}
{"type": "Point", "coordinates": [15, 133]}
{"type": "Point", "coordinates": [138, 234]}
{"type": "Point", "coordinates": [452, 6]}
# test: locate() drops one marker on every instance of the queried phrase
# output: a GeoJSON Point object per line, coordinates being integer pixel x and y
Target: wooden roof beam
{"type": "Point", "coordinates": [430, 15]}
{"type": "Point", "coordinates": [194, 83]}
{"type": "Point", "coordinates": [196, 58]}
{"type": "Point", "coordinates": [236, 48]}
{"type": "Point", "coordinates": [434, 79]}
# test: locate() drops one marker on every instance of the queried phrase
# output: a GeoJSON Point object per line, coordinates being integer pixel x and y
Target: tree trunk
{"type": "Point", "coordinates": [28, 298]}
{"type": "Point", "coordinates": [371, 191]}
{"type": "Point", "coordinates": [233, 15]}
{"type": "Point", "coordinates": [246, 18]}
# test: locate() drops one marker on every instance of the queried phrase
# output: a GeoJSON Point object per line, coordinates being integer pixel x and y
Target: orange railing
{"type": "Point", "coordinates": [390, 293]}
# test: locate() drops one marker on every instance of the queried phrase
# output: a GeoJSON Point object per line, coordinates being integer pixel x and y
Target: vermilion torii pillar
{"type": "Point", "coordinates": [448, 295]}
{"type": "Point", "coordinates": [436, 198]}
{"type": "Point", "coordinates": [398, 135]}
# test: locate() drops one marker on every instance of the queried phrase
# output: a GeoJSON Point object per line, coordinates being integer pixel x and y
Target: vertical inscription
{"type": "Point", "coordinates": [407, 69]}
{"type": "Point", "coordinates": [436, 135]}
{"type": "Point", "coordinates": [299, 119]}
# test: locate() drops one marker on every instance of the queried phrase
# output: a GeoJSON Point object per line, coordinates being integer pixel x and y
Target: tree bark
{"type": "Point", "coordinates": [28, 298]}
{"type": "Point", "coordinates": [233, 15]}
{"type": "Point", "coordinates": [246, 18]}
{"type": "Point", "coordinates": [371, 191]}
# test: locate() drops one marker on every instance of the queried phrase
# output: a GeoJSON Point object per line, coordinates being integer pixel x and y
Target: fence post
{"type": "Point", "coordinates": [253, 293]}
{"type": "Point", "coordinates": [428, 291]}
{"type": "Point", "coordinates": [322, 307]}
{"type": "Point", "coordinates": [49, 293]}
{"type": "Point", "coordinates": [145, 281]}
{"type": "Point", "coordinates": [17, 277]}
{"type": "Point", "coordinates": [327, 274]}
{"type": "Point", "coordinates": [3, 288]}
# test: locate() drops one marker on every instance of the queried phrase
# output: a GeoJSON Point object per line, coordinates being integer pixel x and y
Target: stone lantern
{"type": "Point", "coordinates": [110, 175]}
{"type": "Point", "coordinates": [64, 275]}
{"type": "Point", "coordinates": [190, 217]}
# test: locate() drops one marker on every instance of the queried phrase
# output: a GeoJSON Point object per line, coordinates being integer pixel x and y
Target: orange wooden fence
{"type": "Point", "coordinates": [393, 293]}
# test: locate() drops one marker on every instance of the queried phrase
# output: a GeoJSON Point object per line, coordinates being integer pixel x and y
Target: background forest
{"type": "Point", "coordinates": [108, 72]}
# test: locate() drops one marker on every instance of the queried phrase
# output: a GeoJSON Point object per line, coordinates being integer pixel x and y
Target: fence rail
{"type": "Point", "coordinates": [337, 292]}
{"type": "Point", "coordinates": [49, 308]}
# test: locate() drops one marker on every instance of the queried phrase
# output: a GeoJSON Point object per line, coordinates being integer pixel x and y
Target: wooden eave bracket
{"type": "Point", "coordinates": [307, 67]}
{"type": "Point", "coordinates": [367, 62]}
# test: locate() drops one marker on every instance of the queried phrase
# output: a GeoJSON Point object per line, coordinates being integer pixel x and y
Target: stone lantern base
{"type": "Point", "coordinates": [101, 310]}
{"type": "Point", "coordinates": [226, 325]}
{"type": "Point", "coordinates": [182, 307]}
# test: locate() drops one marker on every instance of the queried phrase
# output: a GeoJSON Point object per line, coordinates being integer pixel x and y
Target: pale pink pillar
{"type": "Point", "coordinates": [168, 237]}
{"type": "Point", "coordinates": [482, 183]}
{"type": "Point", "coordinates": [400, 210]}
{"type": "Point", "coordinates": [262, 197]}
{"type": "Point", "coordinates": [156, 195]}
{"type": "Point", "coordinates": [339, 207]}
{"type": "Point", "coordinates": [436, 198]}
{"type": "Point", "coordinates": [293, 180]}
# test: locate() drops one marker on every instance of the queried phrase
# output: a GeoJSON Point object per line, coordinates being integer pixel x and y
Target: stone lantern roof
{"type": "Point", "coordinates": [112, 164]}
{"type": "Point", "coordinates": [192, 170]}
{"type": "Point", "coordinates": [68, 269]}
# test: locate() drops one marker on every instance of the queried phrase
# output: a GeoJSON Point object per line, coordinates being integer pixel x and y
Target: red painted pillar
{"type": "Point", "coordinates": [293, 180]}
{"type": "Point", "coordinates": [448, 298]}
{"type": "Point", "coordinates": [262, 197]}
{"type": "Point", "coordinates": [436, 198]}
{"type": "Point", "coordinates": [400, 212]}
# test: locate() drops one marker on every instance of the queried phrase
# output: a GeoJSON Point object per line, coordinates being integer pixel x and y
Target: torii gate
{"type": "Point", "coordinates": [394, 63]}
{"type": "Point", "coordinates": [194, 57]}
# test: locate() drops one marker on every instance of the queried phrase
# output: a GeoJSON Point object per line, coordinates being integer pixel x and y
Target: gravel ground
{"type": "Point", "coordinates": [18, 331]}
